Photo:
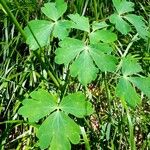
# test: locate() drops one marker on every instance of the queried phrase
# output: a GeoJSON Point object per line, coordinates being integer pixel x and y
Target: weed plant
{"type": "Point", "coordinates": [117, 112]}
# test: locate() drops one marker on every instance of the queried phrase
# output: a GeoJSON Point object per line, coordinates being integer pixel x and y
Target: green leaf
{"type": "Point", "coordinates": [123, 6]}
{"type": "Point", "coordinates": [61, 29]}
{"type": "Point", "coordinates": [138, 23]}
{"type": "Point", "coordinates": [105, 36]}
{"type": "Point", "coordinates": [120, 24]}
{"type": "Point", "coordinates": [142, 83]}
{"type": "Point", "coordinates": [127, 92]}
{"type": "Point", "coordinates": [41, 30]}
{"type": "Point", "coordinates": [99, 25]}
{"type": "Point", "coordinates": [80, 22]}
{"type": "Point", "coordinates": [130, 66]}
{"type": "Point", "coordinates": [84, 68]}
{"type": "Point", "coordinates": [38, 106]}
{"type": "Point", "coordinates": [77, 105]}
{"type": "Point", "coordinates": [53, 11]}
{"type": "Point", "coordinates": [70, 48]}
{"type": "Point", "coordinates": [103, 61]}
{"type": "Point", "coordinates": [57, 130]}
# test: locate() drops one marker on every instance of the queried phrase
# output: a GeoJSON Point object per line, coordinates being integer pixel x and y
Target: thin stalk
{"type": "Point", "coordinates": [87, 145]}
{"type": "Point", "coordinates": [6, 8]}
{"type": "Point", "coordinates": [95, 10]}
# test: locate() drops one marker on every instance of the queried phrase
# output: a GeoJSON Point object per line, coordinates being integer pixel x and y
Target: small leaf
{"type": "Point", "coordinates": [139, 24]}
{"type": "Point", "coordinates": [142, 83]}
{"type": "Point", "coordinates": [125, 91]}
{"type": "Point", "coordinates": [33, 108]}
{"type": "Point", "coordinates": [130, 66]}
{"type": "Point", "coordinates": [103, 61]}
{"type": "Point", "coordinates": [120, 24]}
{"type": "Point", "coordinates": [99, 25]}
{"type": "Point", "coordinates": [77, 105]}
{"type": "Point", "coordinates": [57, 130]}
{"type": "Point", "coordinates": [105, 36]}
{"type": "Point", "coordinates": [53, 11]}
{"type": "Point", "coordinates": [123, 6]}
{"type": "Point", "coordinates": [70, 48]}
{"type": "Point", "coordinates": [80, 22]}
{"type": "Point", "coordinates": [87, 72]}
{"type": "Point", "coordinates": [41, 30]}
{"type": "Point", "coordinates": [61, 29]}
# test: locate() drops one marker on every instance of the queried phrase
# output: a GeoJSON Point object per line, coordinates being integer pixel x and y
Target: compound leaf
{"type": "Point", "coordinates": [84, 68]}
{"type": "Point", "coordinates": [123, 6]}
{"type": "Point", "coordinates": [41, 29]}
{"type": "Point", "coordinates": [130, 66]}
{"type": "Point", "coordinates": [77, 105]}
{"type": "Point", "coordinates": [83, 57]}
{"type": "Point", "coordinates": [53, 10]}
{"type": "Point", "coordinates": [38, 106]}
{"type": "Point", "coordinates": [70, 48]}
{"type": "Point", "coordinates": [142, 83]}
{"type": "Point", "coordinates": [120, 24]}
{"type": "Point", "coordinates": [127, 92]}
{"type": "Point", "coordinates": [80, 22]}
{"type": "Point", "coordinates": [57, 131]}
{"type": "Point", "coordinates": [105, 36]}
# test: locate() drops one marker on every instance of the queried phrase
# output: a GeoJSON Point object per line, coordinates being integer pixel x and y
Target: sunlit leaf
{"type": "Point", "coordinates": [123, 6]}
{"type": "Point", "coordinates": [105, 36]}
{"type": "Point", "coordinates": [41, 29]}
{"type": "Point", "coordinates": [130, 66]}
{"type": "Point", "coordinates": [53, 11]}
{"type": "Point", "coordinates": [80, 22]}
{"type": "Point", "coordinates": [120, 24]}
{"type": "Point", "coordinates": [142, 83]}
{"type": "Point", "coordinates": [77, 105]}
{"type": "Point", "coordinates": [84, 68]}
{"type": "Point", "coordinates": [38, 106]}
{"type": "Point", "coordinates": [57, 131]}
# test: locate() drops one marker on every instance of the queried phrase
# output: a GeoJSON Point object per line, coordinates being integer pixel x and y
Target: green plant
{"type": "Point", "coordinates": [89, 51]}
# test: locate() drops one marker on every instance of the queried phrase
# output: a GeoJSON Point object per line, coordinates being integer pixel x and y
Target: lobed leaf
{"type": "Point", "coordinates": [77, 105]}
{"type": "Point", "coordinates": [142, 83]}
{"type": "Point", "coordinates": [38, 106]}
{"type": "Point", "coordinates": [123, 6]}
{"type": "Point", "coordinates": [139, 24]}
{"type": "Point", "coordinates": [70, 48]}
{"type": "Point", "coordinates": [105, 36]}
{"type": "Point", "coordinates": [127, 92]}
{"type": "Point", "coordinates": [84, 68]}
{"type": "Point", "coordinates": [80, 22]}
{"type": "Point", "coordinates": [41, 29]}
{"type": "Point", "coordinates": [120, 24]}
{"type": "Point", "coordinates": [57, 131]}
{"type": "Point", "coordinates": [104, 61]}
{"type": "Point", "coordinates": [54, 10]}
{"type": "Point", "coordinates": [130, 66]}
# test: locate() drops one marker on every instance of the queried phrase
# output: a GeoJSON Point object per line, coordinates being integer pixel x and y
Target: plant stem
{"type": "Point", "coordinates": [13, 18]}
